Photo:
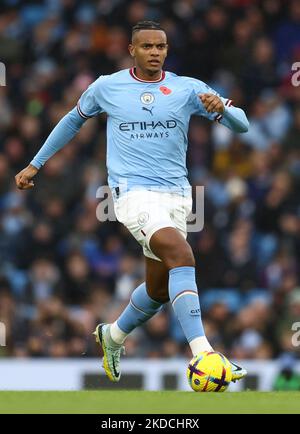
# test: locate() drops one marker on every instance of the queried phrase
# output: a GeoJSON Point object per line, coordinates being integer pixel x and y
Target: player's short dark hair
{"type": "Point", "coordinates": [146, 25]}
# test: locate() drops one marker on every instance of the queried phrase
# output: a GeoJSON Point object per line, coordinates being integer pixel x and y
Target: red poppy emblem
{"type": "Point", "coordinates": [165, 90]}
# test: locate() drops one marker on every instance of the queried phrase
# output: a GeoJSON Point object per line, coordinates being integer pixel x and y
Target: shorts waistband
{"type": "Point", "coordinates": [118, 191]}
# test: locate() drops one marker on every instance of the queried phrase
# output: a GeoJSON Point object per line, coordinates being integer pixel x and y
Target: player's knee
{"type": "Point", "coordinates": [174, 251]}
{"type": "Point", "coordinates": [179, 256]}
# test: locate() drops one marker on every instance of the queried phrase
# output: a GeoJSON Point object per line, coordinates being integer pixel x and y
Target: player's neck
{"type": "Point", "coordinates": [144, 75]}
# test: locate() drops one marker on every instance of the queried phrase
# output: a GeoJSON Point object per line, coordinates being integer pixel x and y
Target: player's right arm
{"type": "Point", "coordinates": [87, 107]}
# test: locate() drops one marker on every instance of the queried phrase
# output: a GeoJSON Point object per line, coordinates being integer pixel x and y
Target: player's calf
{"type": "Point", "coordinates": [171, 247]}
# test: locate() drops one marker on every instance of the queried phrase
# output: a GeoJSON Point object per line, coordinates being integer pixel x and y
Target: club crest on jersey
{"type": "Point", "coordinates": [147, 98]}
{"type": "Point", "coordinates": [143, 218]}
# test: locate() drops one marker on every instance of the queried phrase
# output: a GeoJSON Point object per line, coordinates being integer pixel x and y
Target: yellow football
{"type": "Point", "coordinates": [209, 371]}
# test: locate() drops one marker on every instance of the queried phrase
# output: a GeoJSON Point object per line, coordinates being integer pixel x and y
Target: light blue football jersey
{"type": "Point", "coordinates": [147, 125]}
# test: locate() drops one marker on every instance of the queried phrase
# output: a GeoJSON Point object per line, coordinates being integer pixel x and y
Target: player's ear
{"type": "Point", "coordinates": [131, 50]}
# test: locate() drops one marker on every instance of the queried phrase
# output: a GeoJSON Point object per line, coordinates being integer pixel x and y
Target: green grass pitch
{"type": "Point", "coordinates": [131, 402]}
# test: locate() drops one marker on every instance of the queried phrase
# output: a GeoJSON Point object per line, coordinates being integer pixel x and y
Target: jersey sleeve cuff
{"type": "Point", "coordinates": [36, 164]}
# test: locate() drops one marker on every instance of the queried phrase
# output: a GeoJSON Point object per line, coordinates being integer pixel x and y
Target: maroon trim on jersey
{"type": "Point", "coordinates": [228, 103]}
{"type": "Point", "coordinates": [218, 117]}
{"type": "Point", "coordinates": [133, 75]}
{"type": "Point", "coordinates": [81, 113]}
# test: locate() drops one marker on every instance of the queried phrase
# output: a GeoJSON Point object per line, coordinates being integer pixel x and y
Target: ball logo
{"type": "Point", "coordinates": [147, 98]}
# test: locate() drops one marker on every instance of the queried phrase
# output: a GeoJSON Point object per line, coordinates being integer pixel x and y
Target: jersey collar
{"type": "Point", "coordinates": [133, 75]}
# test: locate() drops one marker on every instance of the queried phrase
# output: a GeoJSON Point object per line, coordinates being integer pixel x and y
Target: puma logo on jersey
{"type": "Point", "coordinates": [148, 109]}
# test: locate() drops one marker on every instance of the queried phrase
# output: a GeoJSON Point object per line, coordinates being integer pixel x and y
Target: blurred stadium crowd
{"type": "Point", "coordinates": [61, 270]}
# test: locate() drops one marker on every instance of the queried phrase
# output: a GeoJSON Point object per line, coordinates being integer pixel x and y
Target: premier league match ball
{"type": "Point", "coordinates": [209, 372]}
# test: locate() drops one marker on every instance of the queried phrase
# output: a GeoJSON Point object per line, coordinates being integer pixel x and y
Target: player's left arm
{"type": "Point", "coordinates": [221, 110]}
{"type": "Point", "coordinates": [207, 102]}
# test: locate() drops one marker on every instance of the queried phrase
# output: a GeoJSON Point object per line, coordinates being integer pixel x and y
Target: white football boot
{"type": "Point", "coordinates": [237, 372]}
{"type": "Point", "coordinates": [111, 352]}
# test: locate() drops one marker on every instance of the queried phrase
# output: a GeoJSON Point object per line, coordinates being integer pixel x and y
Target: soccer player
{"type": "Point", "coordinates": [148, 113]}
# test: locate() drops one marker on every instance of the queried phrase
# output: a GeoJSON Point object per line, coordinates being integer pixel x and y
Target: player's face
{"type": "Point", "coordinates": [149, 49]}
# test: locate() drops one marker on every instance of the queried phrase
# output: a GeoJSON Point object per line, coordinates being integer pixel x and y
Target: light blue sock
{"type": "Point", "coordinates": [140, 308]}
{"type": "Point", "coordinates": [183, 295]}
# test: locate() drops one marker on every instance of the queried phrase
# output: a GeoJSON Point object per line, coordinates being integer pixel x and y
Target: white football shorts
{"type": "Point", "coordinates": [144, 212]}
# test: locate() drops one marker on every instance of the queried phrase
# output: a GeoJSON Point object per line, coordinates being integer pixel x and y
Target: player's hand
{"type": "Point", "coordinates": [24, 178]}
{"type": "Point", "coordinates": [212, 103]}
